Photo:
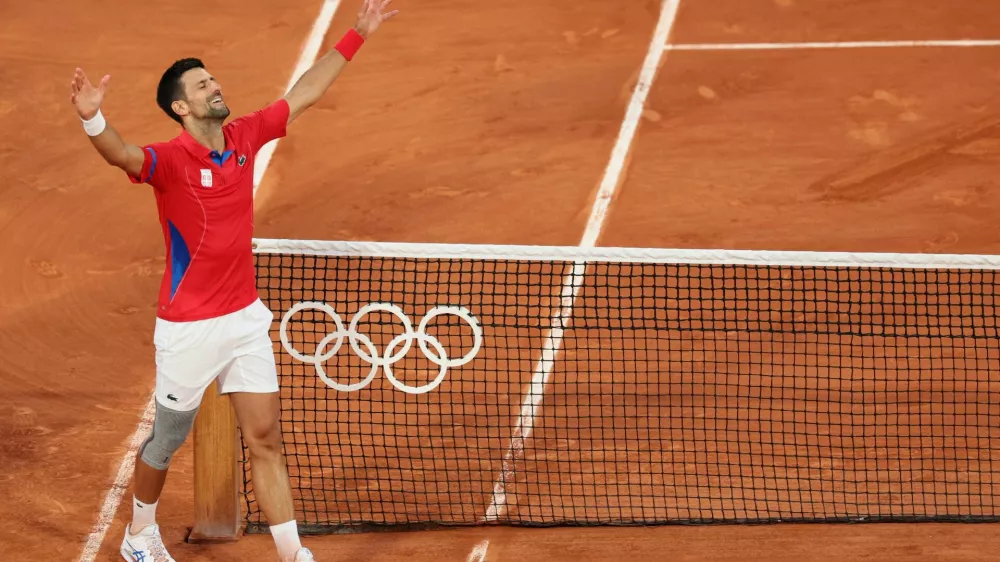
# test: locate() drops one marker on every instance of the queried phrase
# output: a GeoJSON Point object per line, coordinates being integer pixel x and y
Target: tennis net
{"type": "Point", "coordinates": [428, 384]}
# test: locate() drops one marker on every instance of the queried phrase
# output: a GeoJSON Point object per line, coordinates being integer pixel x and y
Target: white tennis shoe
{"type": "Point", "coordinates": [302, 555]}
{"type": "Point", "coordinates": [146, 546]}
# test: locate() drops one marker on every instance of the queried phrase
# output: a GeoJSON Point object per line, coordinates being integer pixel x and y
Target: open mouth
{"type": "Point", "coordinates": [217, 100]}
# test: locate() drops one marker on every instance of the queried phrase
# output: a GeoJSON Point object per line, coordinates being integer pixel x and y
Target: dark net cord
{"type": "Point", "coordinates": [679, 394]}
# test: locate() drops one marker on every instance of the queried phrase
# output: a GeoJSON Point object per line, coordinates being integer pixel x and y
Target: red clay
{"type": "Point", "coordinates": [467, 122]}
{"type": "Point", "coordinates": [778, 543]}
{"type": "Point", "coordinates": [884, 150]}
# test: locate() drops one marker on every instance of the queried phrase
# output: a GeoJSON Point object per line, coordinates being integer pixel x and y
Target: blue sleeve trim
{"type": "Point", "coordinates": [152, 166]}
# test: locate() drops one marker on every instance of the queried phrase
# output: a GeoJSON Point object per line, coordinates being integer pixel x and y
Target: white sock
{"type": "Point", "coordinates": [286, 538]}
{"type": "Point", "coordinates": [143, 515]}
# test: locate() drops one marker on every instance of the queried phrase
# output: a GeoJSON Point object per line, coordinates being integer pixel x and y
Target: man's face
{"type": "Point", "coordinates": [203, 96]}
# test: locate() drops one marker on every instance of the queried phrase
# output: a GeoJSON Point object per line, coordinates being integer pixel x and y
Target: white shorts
{"type": "Point", "coordinates": [235, 348]}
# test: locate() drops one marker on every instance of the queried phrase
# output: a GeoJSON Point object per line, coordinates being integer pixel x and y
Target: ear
{"type": "Point", "coordinates": [180, 107]}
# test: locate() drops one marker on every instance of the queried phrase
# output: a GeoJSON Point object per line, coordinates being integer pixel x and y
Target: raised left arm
{"type": "Point", "coordinates": [313, 83]}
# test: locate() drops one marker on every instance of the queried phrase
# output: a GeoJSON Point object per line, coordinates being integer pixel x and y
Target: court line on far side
{"type": "Point", "coordinates": [573, 281]}
{"type": "Point", "coordinates": [963, 43]}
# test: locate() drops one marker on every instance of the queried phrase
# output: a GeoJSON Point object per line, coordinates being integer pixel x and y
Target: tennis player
{"type": "Point", "coordinates": [210, 323]}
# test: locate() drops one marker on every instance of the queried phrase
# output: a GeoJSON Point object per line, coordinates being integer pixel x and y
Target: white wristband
{"type": "Point", "coordinates": [95, 125]}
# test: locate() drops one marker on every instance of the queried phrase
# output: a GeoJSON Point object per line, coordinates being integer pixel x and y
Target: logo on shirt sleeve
{"type": "Point", "coordinates": [206, 178]}
{"type": "Point", "coordinates": [242, 160]}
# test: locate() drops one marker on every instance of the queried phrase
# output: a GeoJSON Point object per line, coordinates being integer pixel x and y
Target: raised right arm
{"type": "Point", "coordinates": [117, 152]}
{"type": "Point", "coordinates": [105, 138]}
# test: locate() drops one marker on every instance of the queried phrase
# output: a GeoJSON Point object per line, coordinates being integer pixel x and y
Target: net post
{"type": "Point", "coordinates": [216, 471]}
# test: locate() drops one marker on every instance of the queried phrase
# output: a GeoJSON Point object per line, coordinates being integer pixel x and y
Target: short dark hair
{"type": "Point", "coordinates": [171, 89]}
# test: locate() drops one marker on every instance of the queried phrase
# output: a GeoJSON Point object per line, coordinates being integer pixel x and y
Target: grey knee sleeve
{"type": "Point", "coordinates": [170, 430]}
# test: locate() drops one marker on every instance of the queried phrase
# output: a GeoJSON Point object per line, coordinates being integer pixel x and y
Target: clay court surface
{"type": "Point", "coordinates": [470, 122]}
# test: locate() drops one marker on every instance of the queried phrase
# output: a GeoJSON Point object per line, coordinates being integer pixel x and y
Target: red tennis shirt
{"type": "Point", "coordinates": [205, 203]}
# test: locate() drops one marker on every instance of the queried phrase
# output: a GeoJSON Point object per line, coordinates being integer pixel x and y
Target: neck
{"type": "Point", "coordinates": [208, 133]}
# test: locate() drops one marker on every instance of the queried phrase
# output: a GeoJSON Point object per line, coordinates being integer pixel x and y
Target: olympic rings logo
{"type": "Point", "coordinates": [365, 349]}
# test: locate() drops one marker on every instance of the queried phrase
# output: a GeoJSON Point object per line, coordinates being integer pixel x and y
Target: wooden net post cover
{"type": "Point", "coordinates": [216, 471]}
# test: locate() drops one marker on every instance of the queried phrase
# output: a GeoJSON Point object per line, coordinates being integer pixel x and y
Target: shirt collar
{"type": "Point", "coordinates": [203, 151]}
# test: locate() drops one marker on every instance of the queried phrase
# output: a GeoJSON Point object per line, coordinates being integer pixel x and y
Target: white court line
{"type": "Point", "coordinates": [829, 45]}
{"type": "Point", "coordinates": [571, 285]}
{"type": "Point", "coordinates": [478, 553]}
{"type": "Point", "coordinates": [114, 496]}
{"type": "Point", "coordinates": [306, 60]}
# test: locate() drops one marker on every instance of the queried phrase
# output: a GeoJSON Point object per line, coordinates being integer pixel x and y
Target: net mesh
{"type": "Point", "coordinates": [557, 391]}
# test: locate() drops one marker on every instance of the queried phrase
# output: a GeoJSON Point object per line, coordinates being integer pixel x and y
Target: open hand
{"type": "Point", "coordinates": [371, 15]}
{"type": "Point", "coordinates": [85, 96]}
